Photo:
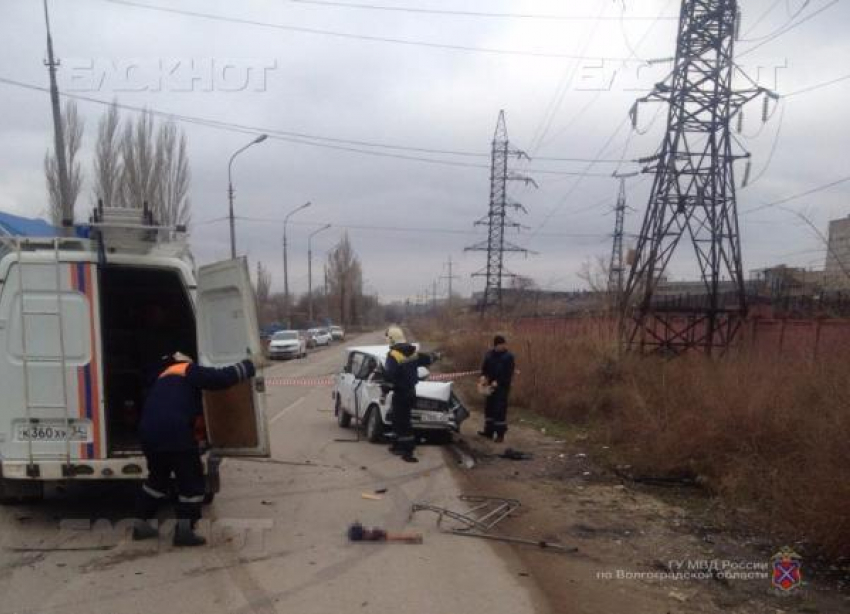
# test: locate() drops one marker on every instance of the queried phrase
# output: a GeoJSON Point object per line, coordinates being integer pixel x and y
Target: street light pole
{"type": "Point", "coordinates": [286, 265]}
{"type": "Point", "coordinates": [259, 139]}
{"type": "Point", "coordinates": [310, 269]}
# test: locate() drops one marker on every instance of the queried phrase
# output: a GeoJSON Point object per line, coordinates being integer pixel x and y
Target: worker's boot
{"type": "Point", "coordinates": [184, 535]}
{"type": "Point", "coordinates": [142, 529]}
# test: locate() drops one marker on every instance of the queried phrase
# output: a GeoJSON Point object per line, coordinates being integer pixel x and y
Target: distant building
{"type": "Point", "coordinates": [782, 281]}
{"type": "Point", "coordinates": [838, 255]}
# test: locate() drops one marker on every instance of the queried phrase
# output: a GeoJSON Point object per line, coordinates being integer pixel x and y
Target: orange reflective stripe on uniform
{"type": "Point", "coordinates": [178, 369]}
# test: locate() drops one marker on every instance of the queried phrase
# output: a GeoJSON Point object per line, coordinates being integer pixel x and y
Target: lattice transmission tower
{"type": "Point", "coordinates": [617, 265]}
{"type": "Point", "coordinates": [693, 194]}
{"type": "Point", "coordinates": [497, 218]}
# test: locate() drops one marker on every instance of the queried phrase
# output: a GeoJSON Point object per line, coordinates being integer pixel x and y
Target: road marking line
{"type": "Point", "coordinates": [286, 409]}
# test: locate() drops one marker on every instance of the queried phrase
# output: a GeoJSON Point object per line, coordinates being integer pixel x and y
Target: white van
{"type": "Point", "coordinates": [82, 324]}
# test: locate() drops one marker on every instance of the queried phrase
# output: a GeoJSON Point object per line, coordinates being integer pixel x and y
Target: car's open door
{"type": "Point", "coordinates": [227, 333]}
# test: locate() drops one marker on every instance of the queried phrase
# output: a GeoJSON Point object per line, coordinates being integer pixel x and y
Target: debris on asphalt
{"type": "Point", "coordinates": [542, 544]}
{"type": "Point", "coordinates": [484, 514]}
{"type": "Point", "coordinates": [380, 491]}
{"type": "Point", "coordinates": [358, 533]}
{"type": "Point", "coordinates": [370, 497]}
{"type": "Point", "coordinates": [516, 455]}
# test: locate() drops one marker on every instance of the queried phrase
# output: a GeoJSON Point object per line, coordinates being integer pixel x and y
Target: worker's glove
{"type": "Point", "coordinates": [249, 368]}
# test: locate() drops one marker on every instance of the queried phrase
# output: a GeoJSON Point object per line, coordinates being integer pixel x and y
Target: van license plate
{"type": "Point", "coordinates": [52, 432]}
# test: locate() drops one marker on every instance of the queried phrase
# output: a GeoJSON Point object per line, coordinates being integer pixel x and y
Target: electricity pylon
{"type": "Point", "coordinates": [497, 219]}
{"type": "Point", "coordinates": [693, 195]}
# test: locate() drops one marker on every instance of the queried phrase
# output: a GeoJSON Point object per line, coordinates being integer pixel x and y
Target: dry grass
{"type": "Point", "coordinates": [768, 435]}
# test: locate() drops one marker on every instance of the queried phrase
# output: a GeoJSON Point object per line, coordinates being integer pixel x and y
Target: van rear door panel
{"type": "Point", "coordinates": [227, 333]}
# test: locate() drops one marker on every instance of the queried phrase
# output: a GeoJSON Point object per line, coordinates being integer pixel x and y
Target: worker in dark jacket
{"type": "Point", "coordinates": [497, 373]}
{"type": "Point", "coordinates": [401, 374]}
{"type": "Point", "coordinates": [167, 433]}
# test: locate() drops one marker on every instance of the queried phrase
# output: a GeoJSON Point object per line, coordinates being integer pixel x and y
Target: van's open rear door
{"type": "Point", "coordinates": [227, 333]}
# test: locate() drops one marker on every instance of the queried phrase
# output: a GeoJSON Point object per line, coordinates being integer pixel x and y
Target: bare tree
{"type": "Point", "coordinates": [107, 160]}
{"type": "Point", "coordinates": [155, 169]}
{"type": "Point", "coordinates": [140, 173]}
{"type": "Point", "coordinates": [345, 280]}
{"type": "Point", "coordinates": [72, 127]}
{"type": "Point", "coordinates": [172, 205]}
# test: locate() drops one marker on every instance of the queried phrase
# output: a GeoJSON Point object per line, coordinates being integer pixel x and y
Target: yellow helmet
{"type": "Point", "coordinates": [395, 335]}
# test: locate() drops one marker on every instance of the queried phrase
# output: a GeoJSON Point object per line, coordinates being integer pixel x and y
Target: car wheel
{"type": "Point", "coordinates": [343, 418]}
{"type": "Point", "coordinates": [374, 425]}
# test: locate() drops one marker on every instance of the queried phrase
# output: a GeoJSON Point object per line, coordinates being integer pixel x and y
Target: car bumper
{"type": "Point", "coordinates": [284, 352]}
{"type": "Point", "coordinates": [126, 468]}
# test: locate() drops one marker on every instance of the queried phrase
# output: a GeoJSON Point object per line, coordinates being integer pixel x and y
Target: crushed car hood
{"type": "Point", "coordinates": [435, 391]}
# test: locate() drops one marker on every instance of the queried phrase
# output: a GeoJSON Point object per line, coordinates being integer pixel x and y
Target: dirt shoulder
{"type": "Point", "coordinates": [630, 537]}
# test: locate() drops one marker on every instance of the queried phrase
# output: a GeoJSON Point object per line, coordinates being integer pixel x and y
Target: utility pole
{"type": "Point", "coordinates": [58, 134]}
{"type": "Point", "coordinates": [497, 219]}
{"type": "Point", "coordinates": [693, 195]}
{"type": "Point", "coordinates": [310, 270]}
{"type": "Point", "coordinates": [450, 278]}
{"type": "Point", "coordinates": [327, 294]}
{"type": "Point", "coordinates": [286, 263]}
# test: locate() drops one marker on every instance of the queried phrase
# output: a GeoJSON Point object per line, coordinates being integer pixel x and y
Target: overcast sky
{"type": "Point", "coordinates": [427, 97]}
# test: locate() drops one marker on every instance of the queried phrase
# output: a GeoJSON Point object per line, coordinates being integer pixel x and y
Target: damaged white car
{"type": "Point", "coordinates": [357, 396]}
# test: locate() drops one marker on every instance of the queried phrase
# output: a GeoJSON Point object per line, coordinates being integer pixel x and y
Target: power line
{"type": "Point", "coordinates": [362, 37]}
{"type": "Point", "coordinates": [817, 86]}
{"type": "Point", "coordinates": [576, 184]}
{"type": "Point", "coordinates": [285, 136]}
{"type": "Point", "coordinates": [456, 13]}
{"type": "Point", "coordinates": [791, 18]}
{"type": "Point", "coordinates": [788, 28]}
{"type": "Point", "coordinates": [782, 201]}
{"type": "Point", "coordinates": [405, 229]}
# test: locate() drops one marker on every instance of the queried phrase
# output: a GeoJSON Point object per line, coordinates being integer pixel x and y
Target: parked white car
{"type": "Point", "coordinates": [357, 396]}
{"type": "Point", "coordinates": [337, 332]}
{"type": "Point", "coordinates": [321, 336]}
{"type": "Point", "coordinates": [287, 344]}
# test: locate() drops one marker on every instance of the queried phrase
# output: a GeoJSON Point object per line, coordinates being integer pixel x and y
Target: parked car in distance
{"type": "Point", "coordinates": [321, 336]}
{"type": "Point", "coordinates": [357, 395]}
{"type": "Point", "coordinates": [310, 338]}
{"type": "Point", "coordinates": [337, 332]}
{"type": "Point", "coordinates": [267, 331]}
{"type": "Point", "coordinates": [287, 344]}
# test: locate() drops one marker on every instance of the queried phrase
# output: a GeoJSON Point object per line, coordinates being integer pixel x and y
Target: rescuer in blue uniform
{"type": "Point", "coordinates": [167, 433]}
{"type": "Point", "coordinates": [497, 373]}
{"type": "Point", "coordinates": [401, 374]}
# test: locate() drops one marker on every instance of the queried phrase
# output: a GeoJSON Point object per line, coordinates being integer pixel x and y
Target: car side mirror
{"type": "Point", "coordinates": [346, 369]}
{"type": "Point", "coordinates": [423, 373]}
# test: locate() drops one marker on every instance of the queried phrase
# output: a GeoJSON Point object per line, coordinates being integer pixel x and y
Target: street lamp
{"type": "Point", "coordinates": [285, 264]}
{"type": "Point", "coordinates": [310, 268]}
{"type": "Point", "coordinates": [259, 139]}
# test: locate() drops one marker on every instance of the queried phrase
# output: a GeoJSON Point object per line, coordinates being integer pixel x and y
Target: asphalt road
{"type": "Point", "coordinates": [277, 534]}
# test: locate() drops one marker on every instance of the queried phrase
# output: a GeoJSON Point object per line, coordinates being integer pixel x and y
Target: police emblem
{"type": "Point", "coordinates": [787, 574]}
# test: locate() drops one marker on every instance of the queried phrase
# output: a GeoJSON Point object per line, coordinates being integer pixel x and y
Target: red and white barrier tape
{"type": "Point", "coordinates": [316, 382]}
